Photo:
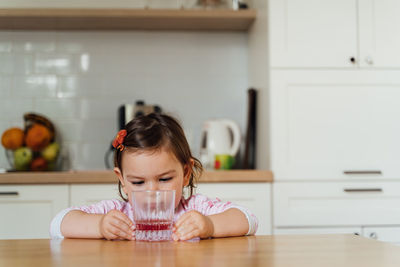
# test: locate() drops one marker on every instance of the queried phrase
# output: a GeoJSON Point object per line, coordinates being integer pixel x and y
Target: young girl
{"type": "Point", "coordinates": [152, 154]}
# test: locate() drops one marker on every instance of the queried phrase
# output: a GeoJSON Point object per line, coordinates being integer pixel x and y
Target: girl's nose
{"type": "Point", "coordinates": [152, 187]}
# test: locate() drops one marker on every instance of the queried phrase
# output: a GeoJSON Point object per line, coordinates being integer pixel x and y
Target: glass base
{"type": "Point", "coordinates": [157, 235]}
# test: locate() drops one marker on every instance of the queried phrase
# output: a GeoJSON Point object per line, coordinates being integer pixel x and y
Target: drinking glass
{"type": "Point", "coordinates": [153, 213]}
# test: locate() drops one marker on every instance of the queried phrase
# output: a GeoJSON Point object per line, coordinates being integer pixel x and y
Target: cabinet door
{"type": "Point", "coordinates": [335, 124]}
{"type": "Point", "coordinates": [385, 234]}
{"type": "Point", "coordinates": [82, 195]}
{"type": "Point", "coordinates": [333, 204]}
{"type": "Point", "coordinates": [318, 231]}
{"type": "Point", "coordinates": [27, 210]}
{"type": "Point", "coordinates": [254, 196]}
{"type": "Point", "coordinates": [379, 33]}
{"type": "Point", "coordinates": [313, 33]}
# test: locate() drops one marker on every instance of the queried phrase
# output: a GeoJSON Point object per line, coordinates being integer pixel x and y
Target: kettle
{"type": "Point", "coordinates": [218, 136]}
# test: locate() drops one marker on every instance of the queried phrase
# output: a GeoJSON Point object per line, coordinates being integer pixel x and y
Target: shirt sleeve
{"type": "Point", "coordinates": [102, 207]}
{"type": "Point", "coordinates": [207, 206]}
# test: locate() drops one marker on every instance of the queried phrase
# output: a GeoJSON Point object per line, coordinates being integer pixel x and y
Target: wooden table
{"type": "Point", "coordinates": [277, 251]}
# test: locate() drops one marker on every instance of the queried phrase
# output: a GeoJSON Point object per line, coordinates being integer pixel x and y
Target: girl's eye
{"type": "Point", "coordinates": [137, 182]}
{"type": "Point", "coordinates": [165, 179]}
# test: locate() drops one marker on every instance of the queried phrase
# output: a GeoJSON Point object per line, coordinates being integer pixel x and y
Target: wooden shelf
{"type": "Point", "coordinates": [107, 176]}
{"type": "Point", "coordinates": [125, 19]}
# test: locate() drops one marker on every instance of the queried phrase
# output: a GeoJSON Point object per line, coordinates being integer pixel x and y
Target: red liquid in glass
{"type": "Point", "coordinates": [153, 225]}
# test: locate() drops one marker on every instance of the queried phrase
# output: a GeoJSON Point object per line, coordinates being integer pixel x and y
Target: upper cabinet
{"type": "Point", "coordinates": [117, 15]}
{"type": "Point", "coordinates": [379, 33]}
{"type": "Point", "coordinates": [335, 124]}
{"type": "Point", "coordinates": [334, 33]}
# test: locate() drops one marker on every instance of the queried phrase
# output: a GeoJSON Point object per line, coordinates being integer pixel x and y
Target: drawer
{"type": "Point", "coordinates": [254, 196]}
{"type": "Point", "coordinates": [318, 231]}
{"type": "Point", "coordinates": [27, 210]}
{"type": "Point", "coordinates": [85, 194]}
{"type": "Point", "coordinates": [336, 203]}
{"type": "Point", "coordinates": [385, 234]}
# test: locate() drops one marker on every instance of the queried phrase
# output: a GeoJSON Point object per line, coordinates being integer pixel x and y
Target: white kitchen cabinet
{"type": "Point", "coordinates": [386, 234]}
{"type": "Point", "coordinates": [335, 124]}
{"type": "Point", "coordinates": [334, 33]}
{"type": "Point", "coordinates": [27, 210]}
{"type": "Point", "coordinates": [254, 196]}
{"type": "Point", "coordinates": [336, 204]}
{"type": "Point", "coordinates": [313, 33]}
{"type": "Point", "coordinates": [379, 22]}
{"type": "Point", "coordinates": [318, 231]}
{"type": "Point", "coordinates": [87, 194]}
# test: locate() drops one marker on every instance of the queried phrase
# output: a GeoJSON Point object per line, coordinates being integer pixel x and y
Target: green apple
{"type": "Point", "coordinates": [50, 152]}
{"type": "Point", "coordinates": [22, 158]}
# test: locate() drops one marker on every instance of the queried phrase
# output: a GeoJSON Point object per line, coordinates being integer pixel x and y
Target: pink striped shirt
{"type": "Point", "coordinates": [200, 203]}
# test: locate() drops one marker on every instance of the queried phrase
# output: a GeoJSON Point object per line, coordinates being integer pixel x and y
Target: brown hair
{"type": "Point", "coordinates": [153, 132]}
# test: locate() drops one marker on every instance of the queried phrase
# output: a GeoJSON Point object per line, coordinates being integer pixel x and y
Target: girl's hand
{"type": "Point", "coordinates": [116, 225]}
{"type": "Point", "coordinates": [192, 224]}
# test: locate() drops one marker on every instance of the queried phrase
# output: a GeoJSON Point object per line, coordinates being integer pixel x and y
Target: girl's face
{"type": "Point", "coordinates": [153, 170]}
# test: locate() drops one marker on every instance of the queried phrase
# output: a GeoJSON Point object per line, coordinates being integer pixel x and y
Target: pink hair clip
{"type": "Point", "coordinates": [119, 139]}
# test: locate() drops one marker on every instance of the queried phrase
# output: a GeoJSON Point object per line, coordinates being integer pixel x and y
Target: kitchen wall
{"type": "Point", "coordinates": [78, 80]}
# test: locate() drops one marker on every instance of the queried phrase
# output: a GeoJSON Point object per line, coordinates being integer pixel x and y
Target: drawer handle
{"type": "Point", "coordinates": [363, 172]}
{"type": "Point", "coordinates": [12, 193]}
{"type": "Point", "coordinates": [361, 190]}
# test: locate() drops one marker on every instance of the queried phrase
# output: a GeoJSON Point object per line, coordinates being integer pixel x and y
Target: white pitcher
{"type": "Point", "coordinates": [219, 136]}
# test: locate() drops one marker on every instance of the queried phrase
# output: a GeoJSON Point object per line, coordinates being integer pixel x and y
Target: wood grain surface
{"type": "Point", "coordinates": [125, 19]}
{"type": "Point", "coordinates": [109, 177]}
{"type": "Point", "coordinates": [270, 251]}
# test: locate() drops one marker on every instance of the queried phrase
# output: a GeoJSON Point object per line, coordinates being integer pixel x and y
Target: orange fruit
{"type": "Point", "coordinates": [38, 137]}
{"type": "Point", "coordinates": [13, 138]}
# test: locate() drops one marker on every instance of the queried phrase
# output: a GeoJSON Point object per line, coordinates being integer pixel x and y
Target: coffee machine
{"type": "Point", "coordinates": [126, 113]}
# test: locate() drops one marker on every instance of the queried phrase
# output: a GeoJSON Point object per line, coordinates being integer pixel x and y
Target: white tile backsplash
{"type": "Point", "coordinates": [35, 86]}
{"type": "Point", "coordinates": [7, 63]}
{"type": "Point", "coordinates": [23, 63]}
{"type": "Point", "coordinates": [79, 79]}
{"type": "Point", "coordinates": [54, 109]}
{"type": "Point", "coordinates": [5, 86]}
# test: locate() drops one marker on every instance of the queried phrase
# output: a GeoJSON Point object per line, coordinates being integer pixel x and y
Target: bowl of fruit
{"type": "Point", "coordinates": [33, 148]}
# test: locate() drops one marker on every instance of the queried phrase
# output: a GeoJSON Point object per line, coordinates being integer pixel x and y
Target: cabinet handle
{"type": "Point", "coordinates": [373, 235]}
{"type": "Point", "coordinates": [363, 172]}
{"type": "Point", "coordinates": [362, 190]}
{"type": "Point", "coordinates": [369, 60]}
{"type": "Point", "coordinates": [12, 193]}
{"type": "Point", "coordinates": [353, 60]}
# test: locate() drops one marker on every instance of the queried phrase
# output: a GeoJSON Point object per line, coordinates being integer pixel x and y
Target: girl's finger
{"type": "Point", "coordinates": [185, 217]}
{"type": "Point", "coordinates": [194, 233]}
{"type": "Point", "coordinates": [109, 235]}
{"type": "Point", "coordinates": [121, 232]}
{"type": "Point", "coordinates": [185, 229]}
{"type": "Point", "coordinates": [122, 225]}
{"type": "Point", "coordinates": [123, 217]}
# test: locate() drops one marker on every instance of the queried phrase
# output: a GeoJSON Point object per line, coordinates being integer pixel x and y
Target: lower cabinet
{"type": "Point", "coordinates": [386, 234]}
{"type": "Point", "coordinates": [368, 208]}
{"type": "Point", "coordinates": [318, 231]}
{"type": "Point", "coordinates": [27, 210]}
{"type": "Point", "coordinates": [87, 194]}
{"type": "Point", "coordinates": [254, 196]}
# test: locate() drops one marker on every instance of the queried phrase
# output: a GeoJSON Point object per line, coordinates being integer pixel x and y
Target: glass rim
{"type": "Point", "coordinates": [153, 191]}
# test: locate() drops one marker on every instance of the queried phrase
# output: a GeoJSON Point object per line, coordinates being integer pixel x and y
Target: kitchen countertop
{"type": "Point", "coordinates": [270, 251]}
{"type": "Point", "coordinates": [107, 176]}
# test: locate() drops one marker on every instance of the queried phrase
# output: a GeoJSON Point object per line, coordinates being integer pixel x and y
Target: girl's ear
{"type": "Point", "coordinates": [187, 172]}
{"type": "Point", "coordinates": [119, 174]}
